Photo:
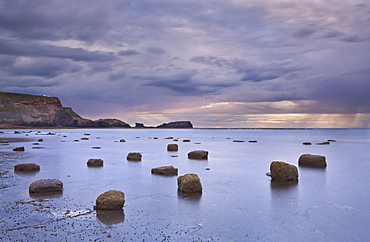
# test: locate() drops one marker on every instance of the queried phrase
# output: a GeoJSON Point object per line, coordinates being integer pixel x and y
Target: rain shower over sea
{"type": "Point", "coordinates": [238, 203]}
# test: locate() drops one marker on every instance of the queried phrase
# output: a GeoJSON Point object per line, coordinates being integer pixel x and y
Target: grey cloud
{"type": "Point", "coordinates": [303, 32]}
{"type": "Point", "coordinates": [53, 20]}
{"type": "Point", "coordinates": [32, 49]}
{"type": "Point", "coordinates": [116, 76]}
{"type": "Point", "coordinates": [157, 51]}
{"type": "Point", "coordinates": [128, 52]}
{"type": "Point", "coordinates": [47, 68]}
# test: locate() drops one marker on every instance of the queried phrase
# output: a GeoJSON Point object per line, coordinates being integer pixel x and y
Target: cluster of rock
{"type": "Point", "coordinates": [282, 171]}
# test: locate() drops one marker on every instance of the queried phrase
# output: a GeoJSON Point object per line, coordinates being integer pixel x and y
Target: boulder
{"type": "Point", "coordinates": [84, 138]}
{"type": "Point", "coordinates": [95, 162]}
{"type": "Point", "coordinates": [165, 170]}
{"type": "Point", "coordinates": [172, 147]}
{"type": "Point", "coordinates": [281, 171]}
{"type": "Point", "coordinates": [134, 156]}
{"type": "Point", "coordinates": [186, 140]}
{"type": "Point", "coordinates": [307, 143]}
{"type": "Point", "coordinates": [189, 183]}
{"type": "Point", "coordinates": [169, 137]}
{"type": "Point", "coordinates": [312, 161]}
{"type": "Point", "coordinates": [110, 200]}
{"type": "Point", "coordinates": [19, 149]}
{"type": "Point", "coordinates": [46, 185]}
{"type": "Point", "coordinates": [27, 167]}
{"type": "Point", "coordinates": [122, 140]}
{"type": "Point", "coordinates": [198, 155]}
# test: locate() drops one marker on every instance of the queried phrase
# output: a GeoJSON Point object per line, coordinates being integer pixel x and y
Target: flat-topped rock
{"type": "Point", "coordinates": [189, 183]}
{"type": "Point", "coordinates": [309, 160]}
{"type": "Point", "coordinates": [165, 170]}
{"type": "Point", "coordinates": [172, 147]}
{"type": "Point", "coordinates": [198, 155]}
{"type": "Point", "coordinates": [95, 162]}
{"type": "Point", "coordinates": [46, 185]}
{"type": "Point", "coordinates": [27, 167]}
{"type": "Point", "coordinates": [110, 200]}
{"type": "Point", "coordinates": [134, 156]}
{"type": "Point", "coordinates": [281, 171]}
{"type": "Point", "coordinates": [19, 149]}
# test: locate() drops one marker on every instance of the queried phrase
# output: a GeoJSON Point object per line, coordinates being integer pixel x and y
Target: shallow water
{"type": "Point", "coordinates": [238, 203]}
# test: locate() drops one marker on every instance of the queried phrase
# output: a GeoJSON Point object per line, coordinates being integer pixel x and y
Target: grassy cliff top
{"type": "Point", "coordinates": [9, 96]}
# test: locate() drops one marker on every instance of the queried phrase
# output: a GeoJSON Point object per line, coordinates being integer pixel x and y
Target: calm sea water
{"type": "Point", "coordinates": [238, 203]}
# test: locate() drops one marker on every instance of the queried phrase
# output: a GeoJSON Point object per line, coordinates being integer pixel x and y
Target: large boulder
{"type": "Point", "coordinates": [46, 185]}
{"type": "Point", "coordinates": [281, 171]}
{"type": "Point", "coordinates": [110, 200]}
{"type": "Point", "coordinates": [19, 149]}
{"type": "Point", "coordinates": [198, 155]}
{"type": "Point", "coordinates": [133, 156]}
{"type": "Point", "coordinates": [27, 167]}
{"type": "Point", "coordinates": [172, 147]}
{"type": "Point", "coordinates": [165, 170]}
{"type": "Point", "coordinates": [95, 162]}
{"type": "Point", "coordinates": [309, 160]}
{"type": "Point", "coordinates": [189, 183]}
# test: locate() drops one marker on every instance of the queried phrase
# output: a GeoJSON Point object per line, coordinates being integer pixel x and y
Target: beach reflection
{"type": "Point", "coordinates": [110, 217]}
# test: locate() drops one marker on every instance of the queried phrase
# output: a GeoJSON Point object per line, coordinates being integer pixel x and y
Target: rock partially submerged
{"type": "Point", "coordinates": [46, 185]}
{"type": "Point", "coordinates": [198, 155]}
{"type": "Point", "coordinates": [281, 171]}
{"type": "Point", "coordinates": [95, 162]}
{"type": "Point", "coordinates": [189, 183]}
{"type": "Point", "coordinates": [165, 170]}
{"type": "Point", "coordinates": [19, 149]}
{"type": "Point", "coordinates": [110, 200]}
{"type": "Point", "coordinates": [134, 156]}
{"type": "Point", "coordinates": [309, 160]}
{"type": "Point", "coordinates": [27, 167]}
{"type": "Point", "coordinates": [172, 147]}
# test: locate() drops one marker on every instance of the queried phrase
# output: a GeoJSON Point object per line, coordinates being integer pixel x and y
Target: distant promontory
{"type": "Point", "coordinates": [24, 110]}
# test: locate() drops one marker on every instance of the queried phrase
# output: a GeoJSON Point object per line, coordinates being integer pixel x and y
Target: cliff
{"type": "Point", "coordinates": [177, 125]}
{"type": "Point", "coordinates": [42, 111]}
{"type": "Point", "coordinates": [26, 110]}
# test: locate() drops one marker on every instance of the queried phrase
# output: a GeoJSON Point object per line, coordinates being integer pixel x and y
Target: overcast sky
{"type": "Point", "coordinates": [229, 63]}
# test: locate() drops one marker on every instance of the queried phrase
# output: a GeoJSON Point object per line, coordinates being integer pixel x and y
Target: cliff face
{"type": "Point", "coordinates": [42, 111]}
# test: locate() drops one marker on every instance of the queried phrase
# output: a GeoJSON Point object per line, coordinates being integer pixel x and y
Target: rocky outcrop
{"type": "Point", "coordinates": [46, 185]}
{"type": "Point", "coordinates": [42, 111]}
{"type": "Point", "coordinates": [309, 160]}
{"type": "Point", "coordinates": [172, 147]}
{"type": "Point", "coordinates": [27, 167]}
{"type": "Point", "coordinates": [198, 155]}
{"type": "Point", "coordinates": [95, 162]}
{"type": "Point", "coordinates": [281, 171]}
{"type": "Point", "coordinates": [177, 125]}
{"type": "Point", "coordinates": [189, 183]}
{"type": "Point", "coordinates": [110, 200]}
{"type": "Point", "coordinates": [165, 170]}
{"type": "Point", "coordinates": [134, 156]}
{"type": "Point", "coordinates": [24, 110]}
{"type": "Point", "coordinates": [139, 125]}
